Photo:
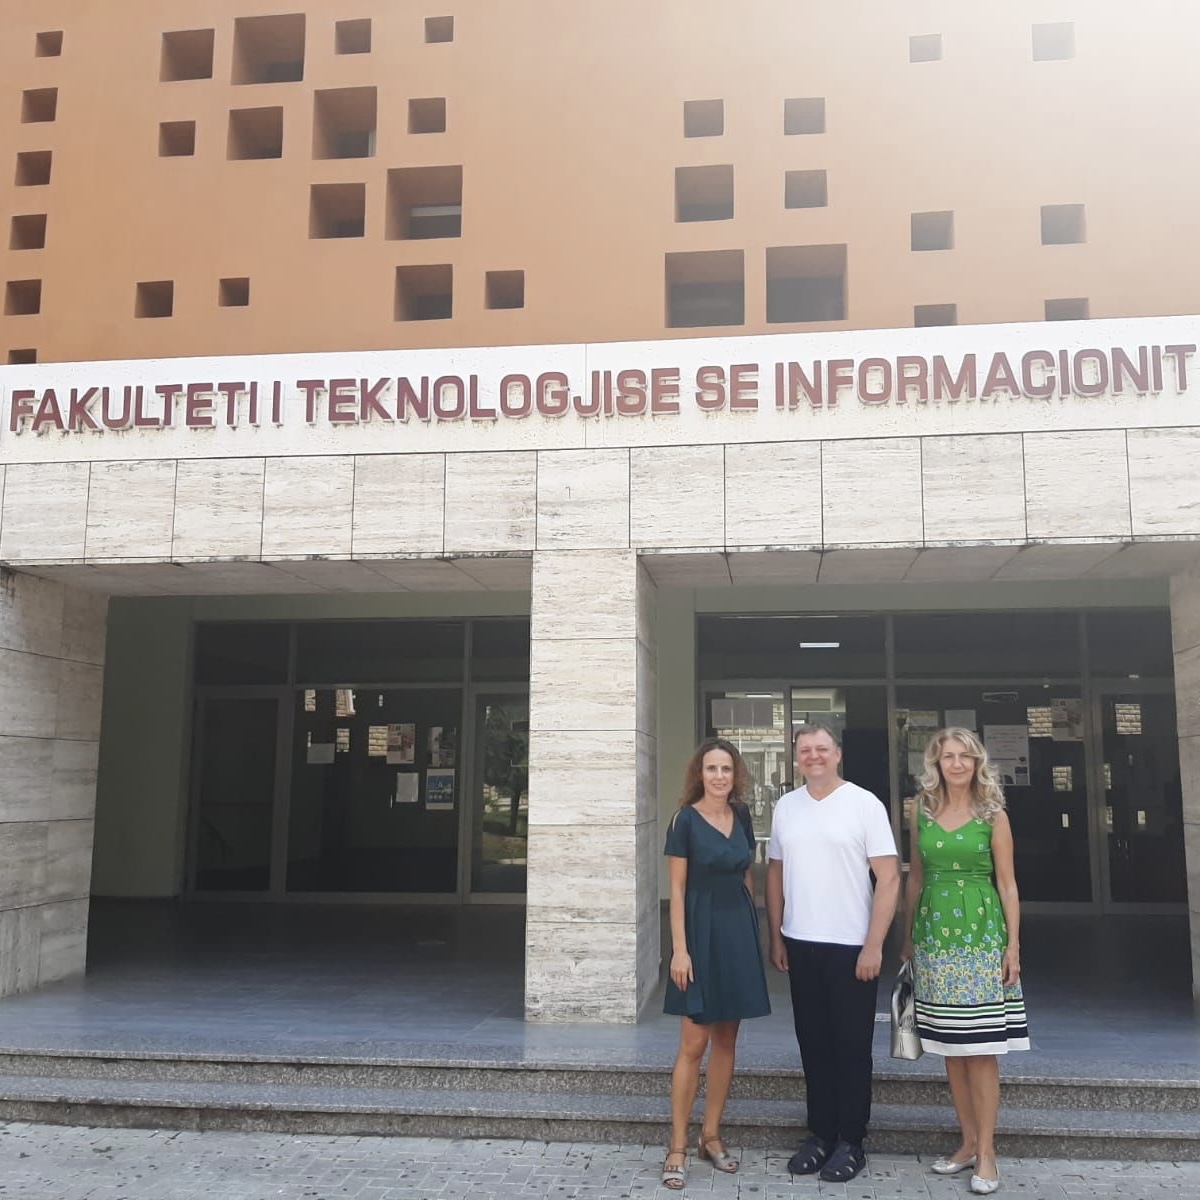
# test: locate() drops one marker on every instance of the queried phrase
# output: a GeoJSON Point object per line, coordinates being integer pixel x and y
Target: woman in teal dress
{"type": "Point", "coordinates": [716, 976]}
{"type": "Point", "coordinates": [963, 939]}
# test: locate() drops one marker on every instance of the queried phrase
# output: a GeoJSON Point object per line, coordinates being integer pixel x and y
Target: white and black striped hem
{"type": "Point", "coordinates": [960, 1030]}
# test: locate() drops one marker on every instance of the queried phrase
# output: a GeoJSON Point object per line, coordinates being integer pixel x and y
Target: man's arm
{"type": "Point", "coordinates": [778, 951]}
{"type": "Point", "coordinates": [883, 909]}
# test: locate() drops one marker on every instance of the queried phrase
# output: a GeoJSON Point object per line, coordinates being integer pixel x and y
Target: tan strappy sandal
{"type": "Point", "coordinates": [673, 1177]}
{"type": "Point", "coordinates": [713, 1148]}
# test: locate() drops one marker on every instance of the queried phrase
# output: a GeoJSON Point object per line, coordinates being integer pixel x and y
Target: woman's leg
{"type": "Point", "coordinates": [719, 1075]}
{"type": "Point", "coordinates": [685, 1078]}
{"type": "Point", "coordinates": [984, 1074]}
{"type": "Point", "coordinates": [958, 1076]}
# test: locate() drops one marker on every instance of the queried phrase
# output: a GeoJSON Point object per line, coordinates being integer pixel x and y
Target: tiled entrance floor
{"type": "Point", "coordinates": [1107, 997]}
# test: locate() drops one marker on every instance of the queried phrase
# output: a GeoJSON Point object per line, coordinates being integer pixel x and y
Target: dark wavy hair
{"type": "Point", "coordinates": [693, 774]}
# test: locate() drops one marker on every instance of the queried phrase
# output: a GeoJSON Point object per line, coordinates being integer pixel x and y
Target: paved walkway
{"type": "Point", "coordinates": [47, 1162]}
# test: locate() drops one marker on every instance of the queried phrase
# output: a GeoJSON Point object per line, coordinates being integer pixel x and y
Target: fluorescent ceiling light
{"type": "Point", "coordinates": [820, 645]}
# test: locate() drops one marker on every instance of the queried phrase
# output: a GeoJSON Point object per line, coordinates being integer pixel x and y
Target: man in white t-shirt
{"type": "Point", "coordinates": [827, 930]}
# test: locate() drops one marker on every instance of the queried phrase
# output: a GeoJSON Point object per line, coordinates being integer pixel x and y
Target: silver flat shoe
{"type": "Point", "coordinates": [984, 1187]}
{"type": "Point", "coordinates": [949, 1166]}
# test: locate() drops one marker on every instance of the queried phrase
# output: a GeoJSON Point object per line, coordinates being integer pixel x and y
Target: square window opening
{"type": "Point", "coordinates": [932, 231]}
{"type": "Point", "coordinates": [176, 139]}
{"type": "Point", "coordinates": [186, 54]}
{"type": "Point", "coordinates": [337, 210]}
{"type": "Point", "coordinates": [925, 47]}
{"type": "Point", "coordinates": [439, 29]}
{"type": "Point", "coordinates": [48, 44]}
{"type": "Point", "coordinates": [344, 123]}
{"type": "Point", "coordinates": [427, 115]}
{"type": "Point", "coordinates": [255, 133]}
{"type": "Point", "coordinates": [703, 118]}
{"type": "Point", "coordinates": [704, 193]}
{"type": "Point", "coordinates": [806, 284]}
{"type": "Point", "coordinates": [352, 37]}
{"type": "Point", "coordinates": [234, 292]}
{"type": "Point", "coordinates": [27, 232]}
{"type": "Point", "coordinates": [926, 316]}
{"type": "Point", "coordinates": [39, 105]}
{"type": "Point", "coordinates": [1075, 308]}
{"type": "Point", "coordinates": [424, 202]}
{"type": "Point", "coordinates": [804, 115]}
{"type": "Point", "coordinates": [22, 297]}
{"type": "Point", "coordinates": [268, 49]}
{"type": "Point", "coordinates": [805, 189]}
{"type": "Point", "coordinates": [705, 288]}
{"type": "Point", "coordinates": [1063, 224]}
{"type": "Point", "coordinates": [155, 298]}
{"type": "Point", "coordinates": [1053, 42]}
{"type": "Point", "coordinates": [505, 289]}
{"type": "Point", "coordinates": [33, 168]}
{"type": "Point", "coordinates": [27, 355]}
{"type": "Point", "coordinates": [424, 293]}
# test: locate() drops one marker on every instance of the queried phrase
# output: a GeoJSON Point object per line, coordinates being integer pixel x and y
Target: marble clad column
{"type": "Point", "coordinates": [51, 672]}
{"type": "Point", "coordinates": [1185, 632]}
{"type": "Point", "coordinates": [592, 924]}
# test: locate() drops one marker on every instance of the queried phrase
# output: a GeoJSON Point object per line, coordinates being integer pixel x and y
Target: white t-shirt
{"type": "Point", "coordinates": [824, 846]}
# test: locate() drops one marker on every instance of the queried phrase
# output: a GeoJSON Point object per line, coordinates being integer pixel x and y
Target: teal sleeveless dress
{"type": "Point", "coordinates": [959, 937]}
{"type": "Point", "coordinates": [720, 921]}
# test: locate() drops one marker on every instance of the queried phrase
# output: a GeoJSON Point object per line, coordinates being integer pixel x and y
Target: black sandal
{"type": "Point", "coordinates": [810, 1158]}
{"type": "Point", "coordinates": [845, 1162]}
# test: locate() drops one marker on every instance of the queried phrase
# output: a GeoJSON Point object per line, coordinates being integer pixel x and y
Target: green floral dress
{"type": "Point", "coordinates": [959, 938]}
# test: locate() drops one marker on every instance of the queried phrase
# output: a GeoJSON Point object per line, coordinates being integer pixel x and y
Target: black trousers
{"type": "Point", "coordinates": [835, 1021]}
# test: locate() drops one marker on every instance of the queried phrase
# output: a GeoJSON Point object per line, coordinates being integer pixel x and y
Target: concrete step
{"type": "Point", "coordinates": [916, 1084]}
{"type": "Point", "coordinates": [613, 1118]}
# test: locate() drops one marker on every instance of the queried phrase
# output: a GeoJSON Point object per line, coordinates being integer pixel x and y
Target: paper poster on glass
{"type": "Point", "coordinates": [1066, 719]}
{"type": "Point", "coordinates": [1008, 750]}
{"type": "Point", "coordinates": [439, 789]}
{"type": "Point", "coordinates": [441, 746]}
{"type": "Point", "coordinates": [960, 718]}
{"type": "Point", "coordinates": [402, 743]}
{"type": "Point", "coordinates": [406, 787]}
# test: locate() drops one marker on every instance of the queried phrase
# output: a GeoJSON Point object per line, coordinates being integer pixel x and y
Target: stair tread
{"type": "Point", "coordinates": [1072, 1122]}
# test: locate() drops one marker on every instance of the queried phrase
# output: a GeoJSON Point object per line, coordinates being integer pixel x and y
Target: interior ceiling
{"type": "Point", "coordinates": [511, 573]}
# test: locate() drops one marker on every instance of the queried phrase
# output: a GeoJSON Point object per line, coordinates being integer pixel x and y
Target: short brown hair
{"type": "Point", "coordinates": [809, 728]}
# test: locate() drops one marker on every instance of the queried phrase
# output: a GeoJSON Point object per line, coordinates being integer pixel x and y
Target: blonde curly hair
{"type": "Point", "coordinates": [987, 796]}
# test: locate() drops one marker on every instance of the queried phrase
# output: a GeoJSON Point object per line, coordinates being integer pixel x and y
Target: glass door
{"type": "Point", "coordinates": [1142, 855]}
{"type": "Point", "coordinates": [500, 800]}
{"type": "Point", "coordinates": [235, 772]}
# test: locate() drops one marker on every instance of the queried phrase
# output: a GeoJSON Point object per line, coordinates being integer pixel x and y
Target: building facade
{"type": "Point", "coordinates": [419, 427]}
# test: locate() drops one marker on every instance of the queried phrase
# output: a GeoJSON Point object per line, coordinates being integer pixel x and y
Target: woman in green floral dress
{"type": "Point", "coordinates": [963, 921]}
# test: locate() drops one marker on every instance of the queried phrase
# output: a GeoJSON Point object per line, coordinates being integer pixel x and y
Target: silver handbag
{"type": "Point", "coordinates": [906, 1042]}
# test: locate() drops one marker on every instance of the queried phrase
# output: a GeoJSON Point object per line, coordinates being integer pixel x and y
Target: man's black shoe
{"type": "Point", "coordinates": [810, 1158]}
{"type": "Point", "coordinates": [844, 1163]}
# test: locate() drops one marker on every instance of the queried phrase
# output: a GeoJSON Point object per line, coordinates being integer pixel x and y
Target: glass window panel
{"type": "Point", "coordinates": [500, 651]}
{"type": "Point", "coordinates": [500, 822]}
{"type": "Point", "coordinates": [756, 723]}
{"type": "Point", "coordinates": [796, 648]}
{"type": "Point", "coordinates": [986, 645]}
{"type": "Point", "coordinates": [1130, 643]}
{"type": "Point", "coordinates": [383, 651]}
{"type": "Point", "coordinates": [1049, 821]}
{"type": "Point", "coordinates": [236, 795]}
{"type": "Point", "coordinates": [241, 652]}
{"type": "Point", "coordinates": [1144, 812]}
{"type": "Point", "coordinates": [362, 816]}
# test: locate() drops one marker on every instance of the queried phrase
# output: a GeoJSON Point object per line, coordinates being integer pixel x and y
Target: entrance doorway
{"type": "Point", "coordinates": [1141, 823]}
{"type": "Point", "coordinates": [1090, 764]}
{"type": "Point", "coordinates": [369, 760]}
